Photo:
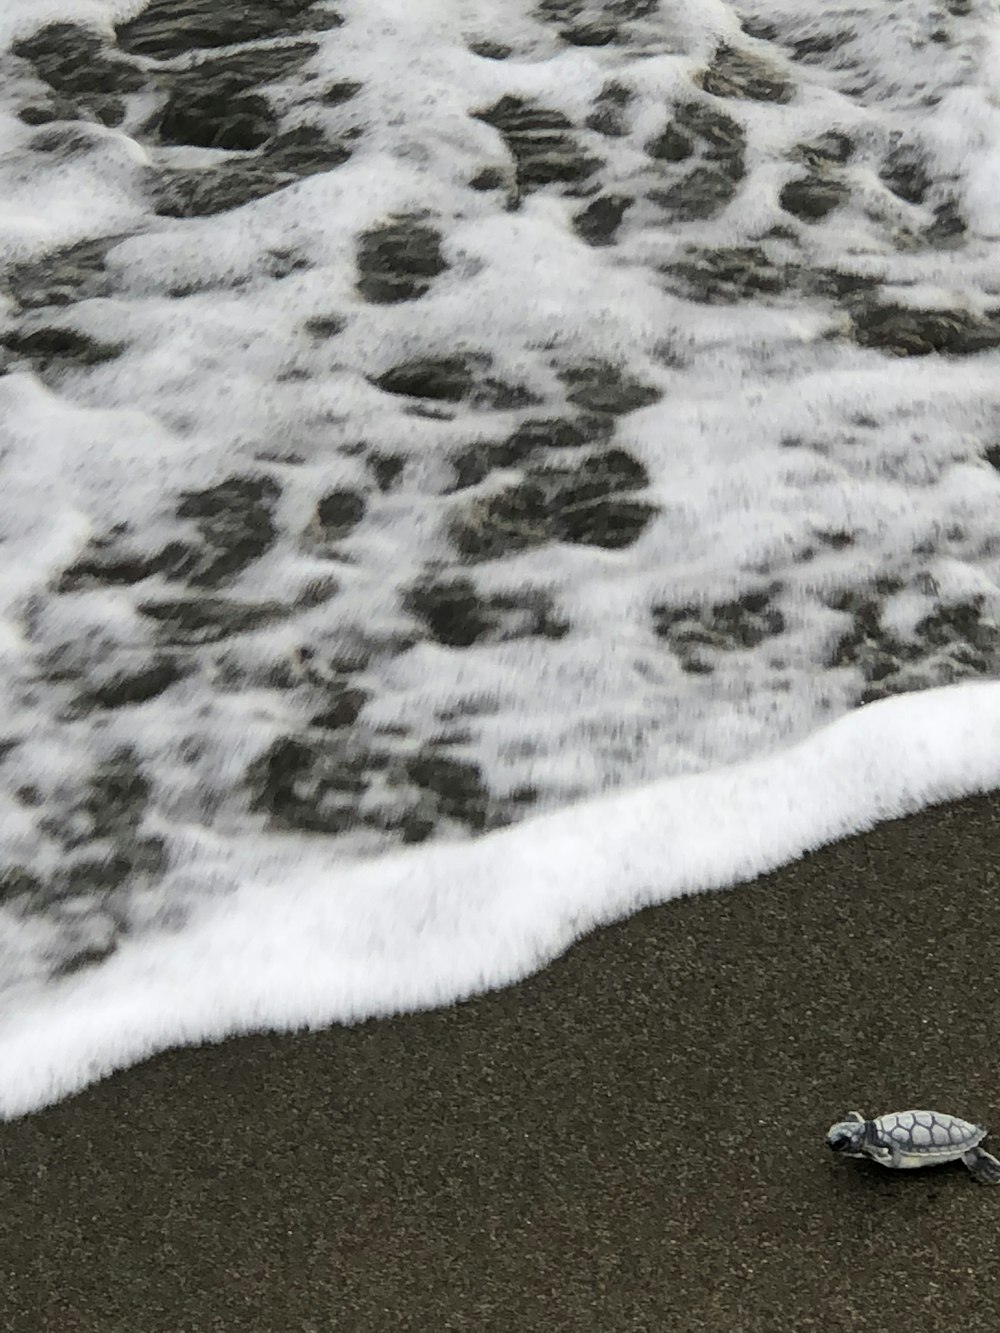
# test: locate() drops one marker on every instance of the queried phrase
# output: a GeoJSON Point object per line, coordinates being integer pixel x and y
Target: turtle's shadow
{"type": "Point", "coordinates": [859, 1177]}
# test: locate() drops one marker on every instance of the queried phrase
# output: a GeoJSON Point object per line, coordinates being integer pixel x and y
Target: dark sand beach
{"type": "Point", "coordinates": [631, 1140]}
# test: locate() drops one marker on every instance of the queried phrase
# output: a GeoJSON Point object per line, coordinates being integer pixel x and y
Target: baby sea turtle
{"type": "Point", "coordinates": [908, 1139]}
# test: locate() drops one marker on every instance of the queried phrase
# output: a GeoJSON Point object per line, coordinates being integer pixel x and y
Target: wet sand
{"type": "Point", "coordinates": [630, 1141]}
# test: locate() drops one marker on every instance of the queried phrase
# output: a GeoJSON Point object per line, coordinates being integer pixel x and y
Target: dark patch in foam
{"type": "Point", "coordinates": [284, 160]}
{"type": "Point", "coordinates": [599, 474]}
{"type": "Point", "coordinates": [699, 133]}
{"type": "Point", "coordinates": [314, 785]}
{"type": "Point", "coordinates": [488, 179]}
{"type": "Point", "coordinates": [235, 522]}
{"type": "Point", "coordinates": [490, 528]}
{"type": "Point", "coordinates": [312, 788]}
{"type": "Point", "coordinates": [206, 191]}
{"type": "Point", "coordinates": [447, 379]}
{"type": "Point", "coordinates": [725, 276]}
{"type": "Point", "coordinates": [696, 633]}
{"type": "Point", "coordinates": [829, 149]}
{"type": "Point", "coordinates": [583, 506]}
{"type": "Point", "coordinates": [322, 327]}
{"type": "Point", "coordinates": [129, 688]}
{"type": "Point", "coordinates": [214, 104]}
{"type": "Point", "coordinates": [62, 277]}
{"type": "Point", "coordinates": [542, 143]}
{"type": "Point", "coordinates": [456, 785]}
{"type": "Point", "coordinates": [305, 150]}
{"type": "Point", "coordinates": [817, 46]}
{"type": "Point", "coordinates": [473, 464]}
{"type": "Point", "coordinates": [743, 74]}
{"type": "Point", "coordinates": [386, 469]}
{"type": "Point", "coordinates": [611, 522]}
{"type": "Point", "coordinates": [698, 196]}
{"type": "Point", "coordinates": [601, 386]}
{"type": "Point", "coordinates": [812, 198]}
{"type": "Point", "coordinates": [398, 260]}
{"type": "Point", "coordinates": [76, 64]}
{"type": "Point", "coordinates": [596, 33]}
{"type": "Point", "coordinates": [112, 561]}
{"type": "Point", "coordinates": [948, 228]}
{"type": "Point", "coordinates": [594, 23]}
{"type": "Point", "coordinates": [18, 886]}
{"type": "Point", "coordinates": [166, 29]}
{"type": "Point", "coordinates": [343, 704]}
{"type": "Point", "coordinates": [557, 433]}
{"type": "Point", "coordinates": [609, 115]}
{"type": "Point", "coordinates": [343, 90]}
{"type": "Point", "coordinates": [906, 331]}
{"type": "Point", "coordinates": [823, 188]}
{"type": "Point", "coordinates": [194, 620]}
{"type": "Point", "coordinates": [338, 513]}
{"type": "Point", "coordinates": [956, 641]}
{"type": "Point", "coordinates": [491, 50]}
{"type": "Point", "coordinates": [454, 379]}
{"type": "Point", "coordinates": [598, 223]}
{"type": "Point", "coordinates": [905, 172]}
{"type": "Point", "coordinates": [456, 615]}
{"type": "Point", "coordinates": [56, 349]}
{"type": "Point", "coordinates": [80, 960]}
{"type": "Point", "coordinates": [840, 284]}
{"type": "Point", "coordinates": [105, 854]}
{"type": "Point", "coordinates": [66, 142]}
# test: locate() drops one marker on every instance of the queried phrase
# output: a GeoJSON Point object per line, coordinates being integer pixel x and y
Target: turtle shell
{"type": "Point", "coordinates": [924, 1137]}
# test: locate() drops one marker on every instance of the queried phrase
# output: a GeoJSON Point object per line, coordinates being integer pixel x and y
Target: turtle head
{"type": "Point", "coordinates": [847, 1136]}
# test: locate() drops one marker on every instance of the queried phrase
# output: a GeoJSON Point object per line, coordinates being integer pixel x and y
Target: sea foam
{"type": "Point", "coordinates": [486, 427]}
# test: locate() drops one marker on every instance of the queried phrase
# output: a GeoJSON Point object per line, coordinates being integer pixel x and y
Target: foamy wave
{"type": "Point", "coordinates": [414, 424]}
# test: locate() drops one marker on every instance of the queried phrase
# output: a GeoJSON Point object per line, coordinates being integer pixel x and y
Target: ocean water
{"type": "Point", "coordinates": [468, 471]}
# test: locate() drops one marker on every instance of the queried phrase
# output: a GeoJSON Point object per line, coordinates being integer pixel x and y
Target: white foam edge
{"type": "Point", "coordinates": [310, 946]}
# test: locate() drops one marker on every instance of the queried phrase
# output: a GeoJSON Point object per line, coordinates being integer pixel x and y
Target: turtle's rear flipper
{"type": "Point", "coordinates": [983, 1166]}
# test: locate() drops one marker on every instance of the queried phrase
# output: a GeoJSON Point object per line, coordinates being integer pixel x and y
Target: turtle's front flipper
{"type": "Point", "coordinates": [983, 1165]}
{"type": "Point", "coordinates": [880, 1152]}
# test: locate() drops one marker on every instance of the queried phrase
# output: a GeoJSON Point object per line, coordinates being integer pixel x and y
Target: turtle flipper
{"type": "Point", "coordinates": [983, 1165]}
{"type": "Point", "coordinates": [880, 1152]}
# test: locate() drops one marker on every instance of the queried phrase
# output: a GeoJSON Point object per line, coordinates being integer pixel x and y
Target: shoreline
{"type": "Point", "coordinates": [630, 1140]}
